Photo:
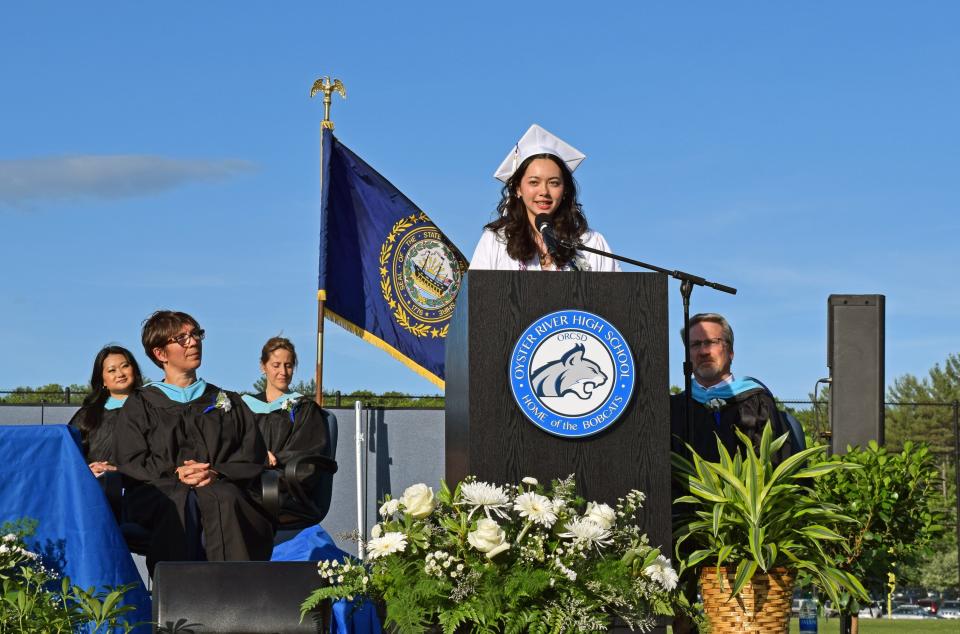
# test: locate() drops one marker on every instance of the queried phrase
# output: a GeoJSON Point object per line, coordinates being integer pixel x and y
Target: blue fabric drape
{"type": "Point", "coordinates": [43, 476]}
{"type": "Point", "coordinates": [315, 544]}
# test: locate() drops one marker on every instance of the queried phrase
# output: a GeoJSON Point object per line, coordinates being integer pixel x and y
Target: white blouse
{"type": "Point", "coordinates": [491, 254]}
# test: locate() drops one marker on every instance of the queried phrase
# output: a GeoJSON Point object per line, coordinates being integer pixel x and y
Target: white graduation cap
{"type": "Point", "coordinates": [536, 140]}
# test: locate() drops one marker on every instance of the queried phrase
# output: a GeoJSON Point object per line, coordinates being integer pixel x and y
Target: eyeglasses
{"type": "Point", "coordinates": [197, 335]}
{"type": "Point", "coordinates": [706, 343]}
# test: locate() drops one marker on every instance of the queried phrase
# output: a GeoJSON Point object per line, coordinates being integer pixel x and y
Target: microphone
{"type": "Point", "coordinates": [545, 226]}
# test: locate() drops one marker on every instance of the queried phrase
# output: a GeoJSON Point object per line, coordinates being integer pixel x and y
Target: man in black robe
{"type": "Point", "coordinates": [190, 452]}
{"type": "Point", "coordinates": [720, 402]}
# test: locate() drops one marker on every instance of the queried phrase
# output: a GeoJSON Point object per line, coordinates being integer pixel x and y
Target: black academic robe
{"type": "Point", "coordinates": [154, 435]}
{"type": "Point", "coordinates": [98, 442]}
{"type": "Point", "coordinates": [305, 433]}
{"type": "Point", "coordinates": [748, 411]}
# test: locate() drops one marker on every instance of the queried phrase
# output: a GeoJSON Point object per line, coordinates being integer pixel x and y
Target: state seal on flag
{"type": "Point", "coordinates": [420, 276]}
{"type": "Point", "coordinates": [572, 373]}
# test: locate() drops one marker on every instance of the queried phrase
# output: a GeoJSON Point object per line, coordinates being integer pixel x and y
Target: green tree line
{"type": "Point", "coordinates": [55, 393]}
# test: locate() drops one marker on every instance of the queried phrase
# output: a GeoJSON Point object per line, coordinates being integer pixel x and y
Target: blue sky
{"type": "Point", "coordinates": [165, 155]}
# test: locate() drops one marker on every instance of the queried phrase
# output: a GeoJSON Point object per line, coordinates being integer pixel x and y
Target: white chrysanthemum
{"type": "Point", "coordinates": [586, 531]}
{"type": "Point", "coordinates": [9, 537]}
{"type": "Point", "coordinates": [662, 572]}
{"type": "Point", "coordinates": [486, 496]}
{"type": "Point", "coordinates": [387, 544]}
{"type": "Point", "coordinates": [531, 481]}
{"type": "Point", "coordinates": [376, 531]}
{"type": "Point", "coordinates": [536, 508]}
{"type": "Point", "coordinates": [389, 508]}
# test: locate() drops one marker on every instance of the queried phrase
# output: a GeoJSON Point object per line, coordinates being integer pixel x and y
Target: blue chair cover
{"type": "Point", "coordinates": [315, 544]}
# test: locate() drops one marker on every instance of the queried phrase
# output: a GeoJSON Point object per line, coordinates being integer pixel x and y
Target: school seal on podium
{"type": "Point", "coordinates": [572, 373]}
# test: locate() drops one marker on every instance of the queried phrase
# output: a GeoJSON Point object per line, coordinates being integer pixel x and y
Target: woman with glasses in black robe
{"type": "Point", "coordinates": [191, 453]}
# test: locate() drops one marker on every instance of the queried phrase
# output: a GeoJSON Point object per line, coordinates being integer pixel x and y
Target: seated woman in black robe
{"type": "Point", "coordinates": [291, 424]}
{"type": "Point", "coordinates": [115, 375]}
{"type": "Point", "coordinates": [189, 449]}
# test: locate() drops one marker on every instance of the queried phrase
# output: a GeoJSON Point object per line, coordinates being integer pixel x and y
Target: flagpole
{"type": "Point", "coordinates": [327, 87]}
{"type": "Point", "coordinates": [321, 297]}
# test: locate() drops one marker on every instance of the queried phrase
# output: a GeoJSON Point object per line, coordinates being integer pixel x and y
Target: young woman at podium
{"type": "Point", "coordinates": [538, 181]}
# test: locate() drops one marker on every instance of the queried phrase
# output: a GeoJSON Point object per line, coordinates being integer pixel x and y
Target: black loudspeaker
{"type": "Point", "coordinates": [855, 355]}
{"type": "Point", "coordinates": [247, 597]}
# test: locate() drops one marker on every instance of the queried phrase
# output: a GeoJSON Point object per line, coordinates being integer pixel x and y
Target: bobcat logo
{"type": "Point", "coordinates": [572, 373]}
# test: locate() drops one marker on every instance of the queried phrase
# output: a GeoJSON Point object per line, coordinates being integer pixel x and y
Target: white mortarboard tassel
{"type": "Point", "coordinates": [536, 140]}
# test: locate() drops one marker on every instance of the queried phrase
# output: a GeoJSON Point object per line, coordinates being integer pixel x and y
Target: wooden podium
{"type": "Point", "coordinates": [487, 433]}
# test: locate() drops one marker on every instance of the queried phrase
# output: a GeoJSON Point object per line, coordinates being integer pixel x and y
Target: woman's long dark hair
{"type": "Point", "coordinates": [92, 410]}
{"type": "Point", "coordinates": [569, 223]}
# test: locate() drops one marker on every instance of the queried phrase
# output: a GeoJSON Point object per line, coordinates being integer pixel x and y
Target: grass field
{"type": "Point", "coordinates": [869, 626]}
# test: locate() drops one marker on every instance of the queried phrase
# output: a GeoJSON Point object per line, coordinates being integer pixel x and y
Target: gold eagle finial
{"type": "Point", "coordinates": [327, 87]}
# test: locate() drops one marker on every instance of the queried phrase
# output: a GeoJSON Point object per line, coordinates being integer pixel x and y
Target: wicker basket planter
{"type": "Point", "coordinates": [762, 606]}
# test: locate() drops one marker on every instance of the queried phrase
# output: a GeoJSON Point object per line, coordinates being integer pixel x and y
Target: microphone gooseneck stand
{"type": "Point", "coordinates": [687, 282]}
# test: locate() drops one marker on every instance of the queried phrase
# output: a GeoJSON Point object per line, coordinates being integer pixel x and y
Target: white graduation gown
{"type": "Point", "coordinates": [491, 254]}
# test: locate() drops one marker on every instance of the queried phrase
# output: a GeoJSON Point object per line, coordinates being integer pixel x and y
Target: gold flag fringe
{"type": "Point", "coordinates": [386, 347]}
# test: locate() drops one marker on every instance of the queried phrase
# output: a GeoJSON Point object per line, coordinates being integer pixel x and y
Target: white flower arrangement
{"type": "Point", "coordinates": [506, 558]}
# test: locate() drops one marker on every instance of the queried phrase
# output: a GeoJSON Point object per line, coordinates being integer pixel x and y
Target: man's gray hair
{"type": "Point", "coordinates": [716, 318]}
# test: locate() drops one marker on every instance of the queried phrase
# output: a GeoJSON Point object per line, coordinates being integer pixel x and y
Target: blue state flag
{"type": "Point", "coordinates": [387, 273]}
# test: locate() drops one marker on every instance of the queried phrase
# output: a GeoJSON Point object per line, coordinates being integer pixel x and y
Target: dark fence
{"type": "Point", "coordinates": [330, 399]}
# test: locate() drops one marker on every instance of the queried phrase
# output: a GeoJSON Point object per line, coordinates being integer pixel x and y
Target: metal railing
{"type": "Point", "coordinates": [337, 399]}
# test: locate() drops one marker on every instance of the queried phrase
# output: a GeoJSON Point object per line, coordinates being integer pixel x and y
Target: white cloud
{"type": "Point", "coordinates": [107, 177]}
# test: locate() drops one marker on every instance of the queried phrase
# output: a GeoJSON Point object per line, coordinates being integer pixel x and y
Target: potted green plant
{"type": "Point", "coordinates": [758, 526]}
{"type": "Point", "coordinates": [502, 558]}
{"type": "Point", "coordinates": [894, 494]}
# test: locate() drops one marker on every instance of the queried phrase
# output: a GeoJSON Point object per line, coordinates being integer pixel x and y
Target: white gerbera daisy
{"type": "Point", "coordinates": [486, 496]}
{"type": "Point", "coordinates": [387, 544]}
{"type": "Point", "coordinates": [536, 508]}
{"type": "Point", "coordinates": [586, 531]}
{"type": "Point", "coordinates": [662, 572]}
